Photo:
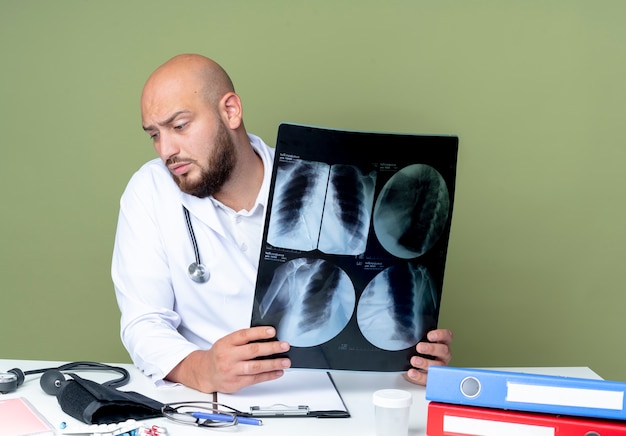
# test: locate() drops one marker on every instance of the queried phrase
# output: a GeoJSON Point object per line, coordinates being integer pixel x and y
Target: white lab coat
{"type": "Point", "coordinates": [166, 315]}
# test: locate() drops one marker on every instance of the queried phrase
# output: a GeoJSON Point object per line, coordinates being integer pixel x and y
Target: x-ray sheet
{"type": "Point", "coordinates": [354, 246]}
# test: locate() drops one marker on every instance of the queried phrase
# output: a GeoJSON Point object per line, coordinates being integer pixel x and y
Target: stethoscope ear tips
{"type": "Point", "coordinates": [198, 273]}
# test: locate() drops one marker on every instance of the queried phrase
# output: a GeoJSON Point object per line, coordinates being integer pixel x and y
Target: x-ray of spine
{"type": "Point", "coordinates": [397, 306]}
{"type": "Point", "coordinates": [411, 211]}
{"type": "Point", "coordinates": [348, 210]}
{"type": "Point", "coordinates": [309, 301]}
{"type": "Point", "coordinates": [298, 203]}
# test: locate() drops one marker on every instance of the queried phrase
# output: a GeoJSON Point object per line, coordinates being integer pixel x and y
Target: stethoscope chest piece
{"type": "Point", "coordinates": [198, 272]}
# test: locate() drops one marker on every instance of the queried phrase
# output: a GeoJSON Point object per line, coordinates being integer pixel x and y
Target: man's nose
{"type": "Point", "coordinates": [167, 147]}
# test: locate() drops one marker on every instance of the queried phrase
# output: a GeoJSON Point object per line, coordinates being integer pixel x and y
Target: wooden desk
{"type": "Point", "coordinates": [355, 388]}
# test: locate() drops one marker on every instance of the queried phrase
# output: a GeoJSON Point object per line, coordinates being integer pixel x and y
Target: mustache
{"type": "Point", "coordinates": [177, 159]}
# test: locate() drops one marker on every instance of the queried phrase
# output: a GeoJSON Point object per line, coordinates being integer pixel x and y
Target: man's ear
{"type": "Point", "coordinates": [231, 110]}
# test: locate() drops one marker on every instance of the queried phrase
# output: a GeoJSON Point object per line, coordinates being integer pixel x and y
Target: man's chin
{"type": "Point", "coordinates": [185, 185]}
{"type": "Point", "coordinates": [197, 189]}
{"type": "Point", "coordinates": [203, 186]}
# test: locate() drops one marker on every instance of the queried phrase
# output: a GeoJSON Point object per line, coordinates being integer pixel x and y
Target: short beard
{"type": "Point", "coordinates": [216, 172]}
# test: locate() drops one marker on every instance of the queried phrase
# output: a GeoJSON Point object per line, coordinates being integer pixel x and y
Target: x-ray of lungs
{"type": "Point", "coordinates": [354, 245]}
{"type": "Point", "coordinates": [411, 211]}
{"type": "Point", "coordinates": [347, 213]}
{"type": "Point", "coordinates": [314, 201]}
{"type": "Point", "coordinates": [309, 301]}
{"type": "Point", "coordinates": [298, 204]}
{"type": "Point", "coordinates": [396, 306]}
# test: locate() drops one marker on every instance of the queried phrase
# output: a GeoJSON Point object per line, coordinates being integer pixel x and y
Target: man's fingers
{"type": "Point", "coordinates": [260, 366]}
{"type": "Point", "coordinates": [249, 372]}
{"type": "Point", "coordinates": [244, 336]}
{"type": "Point", "coordinates": [246, 346]}
{"type": "Point", "coordinates": [416, 376]}
{"type": "Point", "coordinates": [443, 336]}
{"type": "Point", "coordinates": [440, 352]}
{"type": "Point", "coordinates": [262, 349]}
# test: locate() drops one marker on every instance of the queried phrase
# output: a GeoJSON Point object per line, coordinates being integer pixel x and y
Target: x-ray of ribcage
{"type": "Point", "coordinates": [309, 301]}
{"type": "Point", "coordinates": [411, 211]}
{"type": "Point", "coordinates": [298, 204]}
{"type": "Point", "coordinates": [347, 211]}
{"type": "Point", "coordinates": [397, 306]}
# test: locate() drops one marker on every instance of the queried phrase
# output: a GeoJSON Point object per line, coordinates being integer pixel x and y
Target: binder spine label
{"type": "Point", "coordinates": [482, 427]}
{"type": "Point", "coordinates": [555, 395]}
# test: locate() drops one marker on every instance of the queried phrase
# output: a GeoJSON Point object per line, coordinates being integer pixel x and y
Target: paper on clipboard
{"type": "Point", "coordinates": [296, 393]}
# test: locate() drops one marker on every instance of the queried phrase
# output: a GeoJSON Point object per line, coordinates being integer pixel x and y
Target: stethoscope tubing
{"type": "Point", "coordinates": [196, 271]}
{"type": "Point", "coordinates": [192, 236]}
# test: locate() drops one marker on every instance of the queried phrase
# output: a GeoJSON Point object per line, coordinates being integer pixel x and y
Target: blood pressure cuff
{"type": "Point", "coordinates": [94, 403]}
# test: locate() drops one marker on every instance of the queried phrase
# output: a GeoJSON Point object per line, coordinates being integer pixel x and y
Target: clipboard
{"type": "Point", "coordinates": [304, 394]}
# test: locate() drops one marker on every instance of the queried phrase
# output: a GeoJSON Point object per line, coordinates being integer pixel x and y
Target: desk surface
{"type": "Point", "coordinates": [355, 388]}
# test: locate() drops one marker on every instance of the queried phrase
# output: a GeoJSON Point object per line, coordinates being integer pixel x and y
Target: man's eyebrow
{"type": "Point", "coordinates": [166, 121]}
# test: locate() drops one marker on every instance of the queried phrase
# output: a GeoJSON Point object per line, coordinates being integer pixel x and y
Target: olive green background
{"type": "Point", "coordinates": [534, 90]}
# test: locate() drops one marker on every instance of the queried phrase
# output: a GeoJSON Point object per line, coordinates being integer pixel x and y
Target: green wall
{"type": "Point", "coordinates": [534, 89]}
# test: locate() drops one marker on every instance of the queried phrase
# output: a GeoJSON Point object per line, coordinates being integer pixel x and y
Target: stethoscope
{"type": "Point", "coordinates": [197, 271]}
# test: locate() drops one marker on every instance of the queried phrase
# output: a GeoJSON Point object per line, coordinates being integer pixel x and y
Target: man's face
{"type": "Point", "coordinates": [190, 138]}
{"type": "Point", "coordinates": [215, 169]}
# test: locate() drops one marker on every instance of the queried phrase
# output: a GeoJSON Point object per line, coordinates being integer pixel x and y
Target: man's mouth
{"type": "Point", "coordinates": [179, 168]}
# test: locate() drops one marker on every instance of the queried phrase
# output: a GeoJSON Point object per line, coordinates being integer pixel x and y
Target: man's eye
{"type": "Point", "coordinates": [154, 136]}
{"type": "Point", "coordinates": [180, 126]}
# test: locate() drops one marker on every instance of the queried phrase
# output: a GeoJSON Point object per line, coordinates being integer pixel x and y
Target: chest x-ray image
{"type": "Point", "coordinates": [299, 194]}
{"type": "Point", "coordinates": [411, 211]}
{"type": "Point", "coordinates": [354, 245]}
{"type": "Point", "coordinates": [348, 210]}
{"type": "Point", "coordinates": [396, 306]}
{"type": "Point", "coordinates": [309, 300]}
{"type": "Point", "coordinates": [319, 206]}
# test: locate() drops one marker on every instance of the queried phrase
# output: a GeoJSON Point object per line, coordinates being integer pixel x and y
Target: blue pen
{"type": "Point", "coordinates": [226, 418]}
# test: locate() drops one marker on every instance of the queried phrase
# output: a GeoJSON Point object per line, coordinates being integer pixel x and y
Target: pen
{"type": "Point", "coordinates": [226, 418]}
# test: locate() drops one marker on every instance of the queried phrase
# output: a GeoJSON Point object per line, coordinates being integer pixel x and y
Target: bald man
{"type": "Point", "coordinates": [211, 180]}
